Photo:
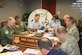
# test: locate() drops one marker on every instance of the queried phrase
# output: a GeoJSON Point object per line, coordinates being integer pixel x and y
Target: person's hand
{"type": "Point", "coordinates": [25, 33]}
{"type": "Point", "coordinates": [0, 45]}
{"type": "Point", "coordinates": [1, 48]}
{"type": "Point", "coordinates": [25, 54]}
{"type": "Point", "coordinates": [38, 27]}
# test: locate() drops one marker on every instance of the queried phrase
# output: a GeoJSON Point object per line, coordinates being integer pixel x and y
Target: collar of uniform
{"type": "Point", "coordinates": [8, 27]}
{"type": "Point", "coordinates": [67, 37]}
{"type": "Point", "coordinates": [19, 23]}
{"type": "Point", "coordinates": [34, 21]}
{"type": "Point", "coordinates": [71, 27]}
{"type": "Point", "coordinates": [57, 20]}
{"type": "Point", "coordinates": [52, 51]}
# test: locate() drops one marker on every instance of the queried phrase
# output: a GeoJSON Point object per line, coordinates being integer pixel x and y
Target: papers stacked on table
{"type": "Point", "coordinates": [31, 51]}
{"type": "Point", "coordinates": [3, 53]}
{"type": "Point", "coordinates": [8, 47]}
{"type": "Point", "coordinates": [15, 53]}
{"type": "Point", "coordinates": [12, 53]}
{"type": "Point", "coordinates": [48, 35]}
{"type": "Point", "coordinates": [11, 47]}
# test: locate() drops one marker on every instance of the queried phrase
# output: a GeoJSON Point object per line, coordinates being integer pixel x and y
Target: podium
{"type": "Point", "coordinates": [24, 41]}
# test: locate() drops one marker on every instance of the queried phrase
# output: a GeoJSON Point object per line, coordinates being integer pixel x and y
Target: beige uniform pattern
{"type": "Point", "coordinates": [70, 46]}
{"type": "Point", "coordinates": [73, 31]}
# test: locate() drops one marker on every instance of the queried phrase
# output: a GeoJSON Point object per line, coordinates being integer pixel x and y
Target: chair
{"type": "Point", "coordinates": [3, 23]}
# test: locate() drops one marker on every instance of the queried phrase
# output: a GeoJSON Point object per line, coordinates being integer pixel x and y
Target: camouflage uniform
{"type": "Point", "coordinates": [70, 46]}
{"type": "Point", "coordinates": [73, 31]}
{"type": "Point", "coordinates": [6, 35]}
{"type": "Point", "coordinates": [21, 27]}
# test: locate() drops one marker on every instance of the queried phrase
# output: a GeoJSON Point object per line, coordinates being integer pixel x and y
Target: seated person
{"type": "Point", "coordinates": [68, 43]}
{"type": "Point", "coordinates": [34, 24]}
{"type": "Point", "coordinates": [55, 22]}
{"type": "Point", "coordinates": [20, 25]}
{"type": "Point", "coordinates": [45, 46]}
{"type": "Point", "coordinates": [6, 34]}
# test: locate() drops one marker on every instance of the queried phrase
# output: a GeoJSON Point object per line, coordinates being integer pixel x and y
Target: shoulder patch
{"type": "Point", "coordinates": [17, 25]}
{"type": "Point", "coordinates": [6, 32]}
{"type": "Point", "coordinates": [21, 23]}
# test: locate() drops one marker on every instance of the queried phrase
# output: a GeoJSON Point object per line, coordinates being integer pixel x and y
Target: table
{"type": "Point", "coordinates": [24, 41]}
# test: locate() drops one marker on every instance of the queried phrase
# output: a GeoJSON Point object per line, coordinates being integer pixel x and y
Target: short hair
{"type": "Point", "coordinates": [61, 29]}
{"type": "Point", "coordinates": [65, 16]}
{"type": "Point", "coordinates": [55, 16]}
{"type": "Point", "coordinates": [17, 17]}
{"type": "Point", "coordinates": [10, 18]}
{"type": "Point", "coordinates": [37, 15]}
{"type": "Point", "coordinates": [71, 19]}
{"type": "Point", "coordinates": [45, 43]}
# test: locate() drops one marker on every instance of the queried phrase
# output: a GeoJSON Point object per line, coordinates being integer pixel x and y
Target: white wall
{"type": "Point", "coordinates": [64, 6]}
{"type": "Point", "coordinates": [12, 8]}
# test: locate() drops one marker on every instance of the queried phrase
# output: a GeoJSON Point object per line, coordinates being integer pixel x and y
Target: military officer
{"type": "Point", "coordinates": [71, 28]}
{"type": "Point", "coordinates": [63, 20]}
{"type": "Point", "coordinates": [68, 42]}
{"type": "Point", "coordinates": [7, 32]}
{"type": "Point", "coordinates": [20, 25]}
{"type": "Point", "coordinates": [34, 24]}
{"type": "Point", "coordinates": [45, 46]}
{"type": "Point", "coordinates": [55, 22]}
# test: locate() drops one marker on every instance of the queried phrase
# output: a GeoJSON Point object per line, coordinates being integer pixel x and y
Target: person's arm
{"type": "Point", "coordinates": [59, 23]}
{"type": "Point", "coordinates": [25, 27]}
{"type": "Point", "coordinates": [38, 27]}
{"type": "Point", "coordinates": [33, 28]}
{"type": "Point", "coordinates": [30, 26]}
{"type": "Point", "coordinates": [75, 33]}
{"type": "Point", "coordinates": [3, 33]}
{"type": "Point", "coordinates": [6, 37]}
{"type": "Point", "coordinates": [19, 32]}
{"type": "Point", "coordinates": [16, 31]}
{"type": "Point", "coordinates": [50, 23]}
